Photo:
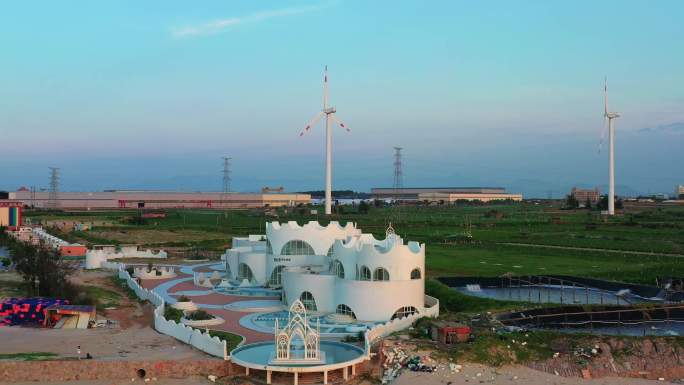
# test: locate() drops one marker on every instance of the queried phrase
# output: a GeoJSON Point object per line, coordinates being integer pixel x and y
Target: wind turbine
{"type": "Point", "coordinates": [329, 113]}
{"type": "Point", "coordinates": [611, 144]}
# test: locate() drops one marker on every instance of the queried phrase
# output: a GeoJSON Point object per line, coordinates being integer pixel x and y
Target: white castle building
{"type": "Point", "coordinates": [333, 269]}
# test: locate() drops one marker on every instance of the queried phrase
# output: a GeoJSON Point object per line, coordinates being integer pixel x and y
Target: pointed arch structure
{"type": "Point", "coordinates": [297, 342]}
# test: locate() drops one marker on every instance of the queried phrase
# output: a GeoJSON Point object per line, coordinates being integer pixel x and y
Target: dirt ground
{"type": "Point", "coordinates": [506, 375]}
{"type": "Point", "coordinates": [134, 343]}
{"type": "Point", "coordinates": [149, 236]}
{"type": "Point", "coordinates": [184, 381]}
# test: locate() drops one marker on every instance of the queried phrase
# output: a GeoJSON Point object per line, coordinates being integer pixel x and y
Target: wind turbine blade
{"type": "Point", "coordinates": [325, 88]}
{"type": "Point", "coordinates": [340, 123]}
{"type": "Point", "coordinates": [605, 96]}
{"type": "Point", "coordinates": [603, 130]}
{"type": "Point", "coordinates": [311, 123]}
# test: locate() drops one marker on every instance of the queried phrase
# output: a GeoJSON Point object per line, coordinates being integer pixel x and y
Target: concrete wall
{"type": "Point", "coordinates": [95, 258]}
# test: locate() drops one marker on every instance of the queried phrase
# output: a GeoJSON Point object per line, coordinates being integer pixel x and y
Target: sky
{"type": "Point", "coordinates": [131, 94]}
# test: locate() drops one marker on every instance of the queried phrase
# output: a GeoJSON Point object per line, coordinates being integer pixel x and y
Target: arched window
{"type": "Point", "coordinates": [404, 311]}
{"type": "Point", "coordinates": [380, 274]}
{"type": "Point", "coordinates": [244, 272]}
{"type": "Point", "coordinates": [364, 273]}
{"type": "Point", "coordinates": [345, 310]}
{"type": "Point", "coordinates": [308, 301]}
{"type": "Point", "coordinates": [276, 276]}
{"type": "Point", "coordinates": [297, 247]}
{"type": "Point", "coordinates": [330, 250]}
{"type": "Point", "coordinates": [269, 248]}
{"type": "Point", "coordinates": [337, 268]}
{"type": "Point", "coordinates": [415, 273]}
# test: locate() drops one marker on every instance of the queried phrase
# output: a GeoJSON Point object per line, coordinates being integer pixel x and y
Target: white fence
{"type": "Point", "coordinates": [194, 337]}
{"type": "Point", "coordinates": [379, 331]}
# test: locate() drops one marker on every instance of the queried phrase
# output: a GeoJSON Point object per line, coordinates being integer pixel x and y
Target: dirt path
{"type": "Point", "coordinates": [632, 252]}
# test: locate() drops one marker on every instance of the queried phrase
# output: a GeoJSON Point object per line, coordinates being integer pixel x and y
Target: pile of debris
{"type": "Point", "coordinates": [396, 359]}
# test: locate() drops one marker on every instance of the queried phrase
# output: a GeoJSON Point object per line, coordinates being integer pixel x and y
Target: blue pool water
{"type": "Point", "coordinates": [249, 291]}
{"type": "Point", "coordinates": [260, 353]}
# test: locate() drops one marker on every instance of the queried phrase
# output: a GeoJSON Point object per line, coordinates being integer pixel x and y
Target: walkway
{"type": "Point", "coordinates": [207, 299]}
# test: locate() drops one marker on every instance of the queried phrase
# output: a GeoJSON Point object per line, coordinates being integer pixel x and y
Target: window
{"type": "Point", "coordinates": [345, 310]}
{"type": "Point", "coordinates": [330, 250]}
{"type": "Point", "coordinates": [269, 249]}
{"type": "Point", "coordinates": [244, 272]}
{"type": "Point", "coordinates": [364, 274]}
{"type": "Point", "coordinates": [337, 268]}
{"type": "Point", "coordinates": [380, 274]}
{"type": "Point", "coordinates": [276, 276]}
{"type": "Point", "coordinates": [415, 274]}
{"type": "Point", "coordinates": [297, 247]}
{"type": "Point", "coordinates": [229, 273]}
{"type": "Point", "coordinates": [308, 301]}
{"type": "Point", "coordinates": [404, 312]}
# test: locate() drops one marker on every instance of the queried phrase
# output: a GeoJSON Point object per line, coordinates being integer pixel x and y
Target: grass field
{"type": "Point", "coordinates": [503, 235]}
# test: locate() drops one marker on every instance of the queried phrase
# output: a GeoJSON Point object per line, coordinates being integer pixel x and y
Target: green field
{"type": "Point", "coordinates": [503, 236]}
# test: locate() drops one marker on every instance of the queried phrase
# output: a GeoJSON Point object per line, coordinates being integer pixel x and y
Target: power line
{"type": "Point", "coordinates": [54, 188]}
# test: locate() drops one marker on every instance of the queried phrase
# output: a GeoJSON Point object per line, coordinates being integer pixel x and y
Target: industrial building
{"type": "Point", "coordinates": [584, 195]}
{"type": "Point", "coordinates": [679, 192]}
{"type": "Point", "coordinates": [128, 199]}
{"type": "Point", "coordinates": [444, 194]}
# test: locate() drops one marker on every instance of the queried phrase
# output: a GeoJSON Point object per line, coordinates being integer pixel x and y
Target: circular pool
{"type": "Point", "coordinates": [337, 355]}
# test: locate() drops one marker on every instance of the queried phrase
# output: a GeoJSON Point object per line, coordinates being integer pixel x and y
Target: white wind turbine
{"type": "Point", "coordinates": [329, 113]}
{"type": "Point", "coordinates": [609, 116]}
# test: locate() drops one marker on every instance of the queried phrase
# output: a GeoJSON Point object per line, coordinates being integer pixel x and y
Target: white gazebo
{"type": "Point", "coordinates": [297, 342]}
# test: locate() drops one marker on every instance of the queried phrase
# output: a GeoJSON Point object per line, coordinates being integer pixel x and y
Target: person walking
{"type": "Point", "coordinates": [78, 351]}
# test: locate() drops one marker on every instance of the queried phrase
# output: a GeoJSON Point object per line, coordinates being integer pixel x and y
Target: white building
{"type": "Point", "coordinates": [334, 269]}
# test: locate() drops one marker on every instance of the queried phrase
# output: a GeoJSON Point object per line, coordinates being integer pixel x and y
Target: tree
{"type": "Point", "coordinates": [43, 270]}
{"type": "Point", "coordinates": [363, 207]}
{"type": "Point", "coordinates": [587, 204]}
{"type": "Point", "coordinates": [571, 202]}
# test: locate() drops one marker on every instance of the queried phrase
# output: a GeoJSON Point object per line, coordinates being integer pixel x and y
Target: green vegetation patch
{"type": "Point", "coordinates": [232, 340]}
{"type": "Point", "coordinates": [32, 356]}
{"type": "Point", "coordinates": [171, 313]}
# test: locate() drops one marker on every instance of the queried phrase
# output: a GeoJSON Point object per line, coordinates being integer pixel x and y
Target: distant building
{"type": "Point", "coordinates": [582, 195]}
{"type": "Point", "coordinates": [127, 199]}
{"type": "Point", "coordinates": [444, 194]}
{"type": "Point", "coordinates": [679, 192]}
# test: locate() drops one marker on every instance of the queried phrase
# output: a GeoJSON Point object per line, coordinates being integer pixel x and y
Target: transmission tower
{"type": "Point", "coordinates": [54, 188]}
{"type": "Point", "coordinates": [226, 177]}
{"type": "Point", "coordinates": [398, 174]}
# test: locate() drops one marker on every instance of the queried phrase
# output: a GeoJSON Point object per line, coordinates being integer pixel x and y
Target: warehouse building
{"type": "Point", "coordinates": [127, 199]}
{"type": "Point", "coordinates": [444, 194]}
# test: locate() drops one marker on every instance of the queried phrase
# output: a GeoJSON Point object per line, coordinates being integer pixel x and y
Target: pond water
{"type": "Point", "coordinates": [4, 252]}
{"type": "Point", "coordinates": [260, 353]}
{"type": "Point", "coordinates": [554, 294]}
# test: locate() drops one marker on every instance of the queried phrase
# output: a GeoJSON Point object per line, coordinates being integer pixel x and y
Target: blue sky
{"type": "Point", "coordinates": [130, 94]}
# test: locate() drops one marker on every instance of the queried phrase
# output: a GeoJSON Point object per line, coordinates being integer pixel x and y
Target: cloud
{"type": "Point", "coordinates": [217, 26]}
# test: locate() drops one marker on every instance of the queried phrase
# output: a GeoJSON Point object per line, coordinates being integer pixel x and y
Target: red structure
{"type": "Point", "coordinates": [73, 251]}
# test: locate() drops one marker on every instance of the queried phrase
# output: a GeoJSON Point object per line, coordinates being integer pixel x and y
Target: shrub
{"type": "Point", "coordinates": [172, 314]}
{"type": "Point", "coordinates": [199, 315]}
{"type": "Point", "coordinates": [5, 261]}
{"type": "Point", "coordinates": [183, 298]}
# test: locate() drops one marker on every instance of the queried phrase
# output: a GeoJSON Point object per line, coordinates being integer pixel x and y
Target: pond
{"type": "Point", "coordinates": [555, 294]}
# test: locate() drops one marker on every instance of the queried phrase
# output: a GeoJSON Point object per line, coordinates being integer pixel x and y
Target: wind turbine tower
{"type": "Point", "coordinates": [329, 113]}
{"type": "Point", "coordinates": [609, 116]}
